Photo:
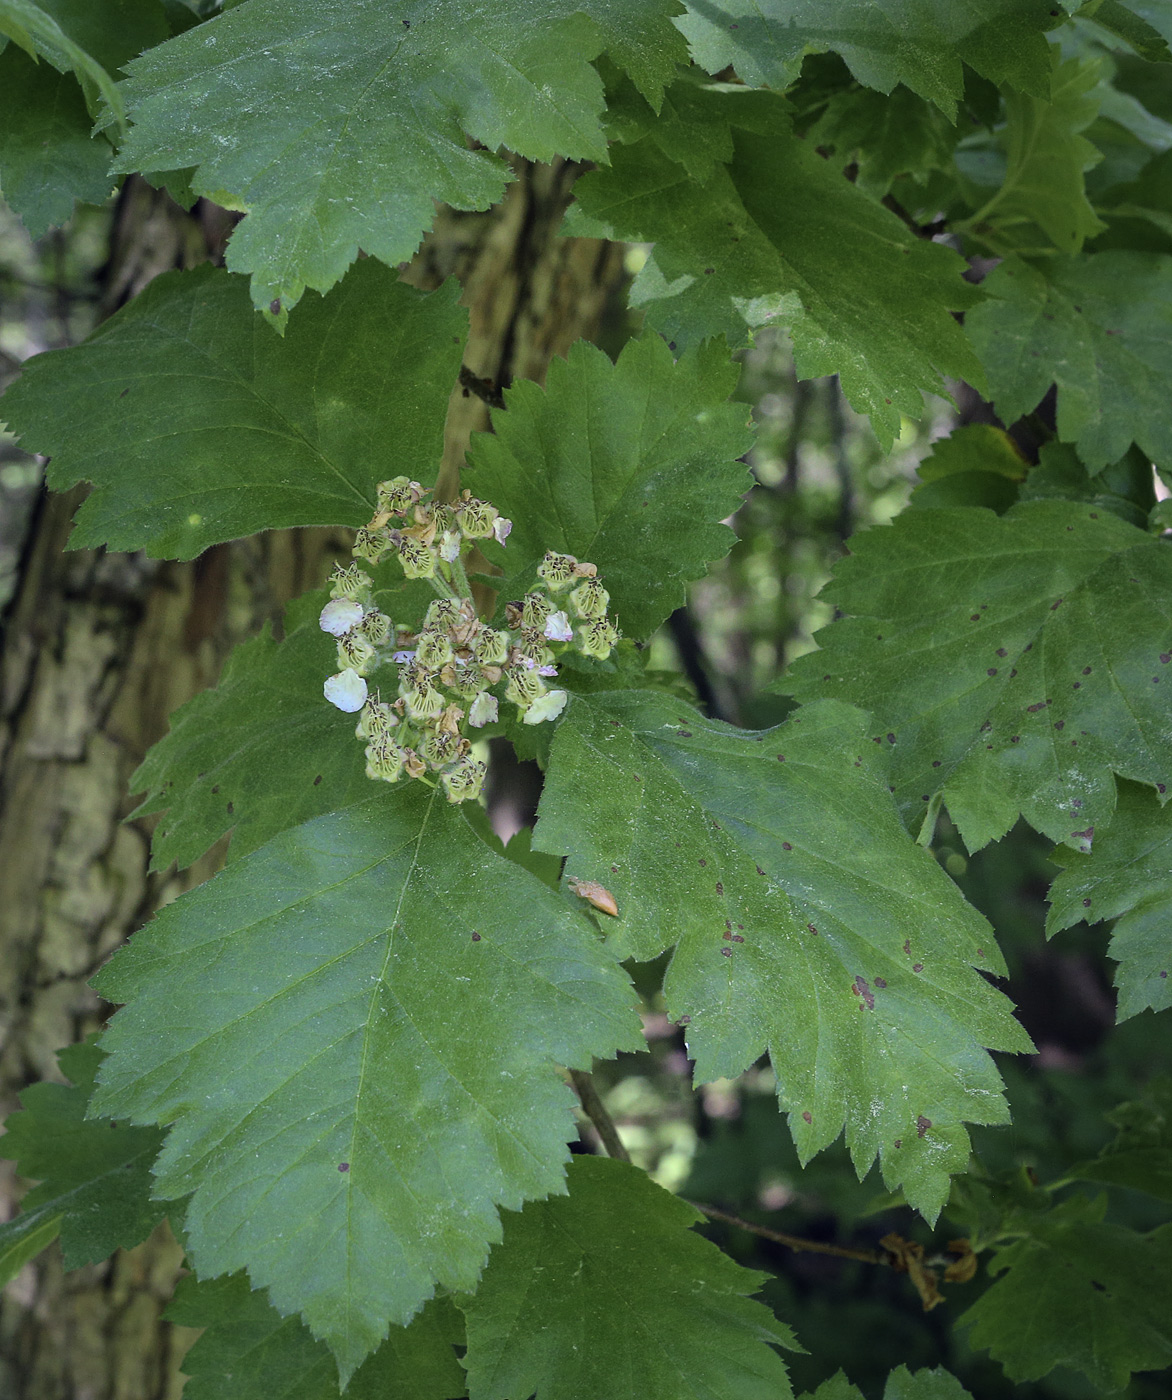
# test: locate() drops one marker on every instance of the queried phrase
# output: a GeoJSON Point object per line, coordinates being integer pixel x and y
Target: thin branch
{"type": "Point", "coordinates": [865, 1256]}
{"type": "Point", "coordinates": [595, 1110]}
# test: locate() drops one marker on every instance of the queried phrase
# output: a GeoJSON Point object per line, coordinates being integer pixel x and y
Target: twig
{"type": "Point", "coordinates": [483, 388]}
{"type": "Point", "coordinates": [865, 1256]}
{"type": "Point", "coordinates": [595, 1110]}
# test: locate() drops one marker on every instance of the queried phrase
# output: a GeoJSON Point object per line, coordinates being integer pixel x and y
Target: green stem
{"type": "Point", "coordinates": [595, 1110]}
{"type": "Point", "coordinates": [865, 1256]}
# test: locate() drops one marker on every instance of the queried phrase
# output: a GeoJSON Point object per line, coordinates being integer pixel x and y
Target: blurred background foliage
{"type": "Point", "coordinates": [820, 477]}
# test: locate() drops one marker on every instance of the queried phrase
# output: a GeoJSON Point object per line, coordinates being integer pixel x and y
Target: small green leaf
{"type": "Point", "coordinates": [114, 31]}
{"type": "Point", "coordinates": [1145, 25]}
{"type": "Point", "coordinates": [250, 1352]}
{"type": "Point", "coordinates": [902, 1384]}
{"type": "Point", "coordinates": [630, 465]}
{"type": "Point", "coordinates": [1081, 1293]}
{"type": "Point", "coordinates": [1046, 159]}
{"type": "Point", "coordinates": [1100, 326]}
{"type": "Point", "coordinates": [1140, 1158]}
{"type": "Point", "coordinates": [748, 246]}
{"type": "Point", "coordinates": [1012, 662]}
{"type": "Point", "coordinates": [48, 159]}
{"type": "Point", "coordinates": [806, 922]}
{"type": "Point", "coordinates": [607, 1292]}
{"type": "Point", "coordinates": [197, 424]}
{"type": "Point", "coordinates": [37, 32]}
{"type": "Point", "coordinates": [921, 43]}
{"type": "Point", "coordinates": [339, 126]}
{"type": "Point", "coordinates": [95, 1175]}
{"type": "Point", "coordinates": [1129, 879]}
{"type": "Point", "coordinates": [353, 1034]}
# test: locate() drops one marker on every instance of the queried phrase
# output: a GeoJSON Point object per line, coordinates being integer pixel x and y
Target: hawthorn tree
{"type": "Point", "coordinates": [431, 470]}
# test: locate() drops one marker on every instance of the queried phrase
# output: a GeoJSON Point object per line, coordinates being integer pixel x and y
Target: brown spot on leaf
{"type": "Point", "coordinates": [922, 1125]}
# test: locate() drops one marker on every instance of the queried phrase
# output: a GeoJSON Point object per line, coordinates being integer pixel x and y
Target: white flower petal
{"type": "Point", "coordinates": [337, 618]}
{"type": "Point", "coordinates": [483, 711]}
{"type": "Point", "coordinates": [502, 529]}
{"type": "Point", "coordinates": [346, 690]}
{"type": "Point", "coordinates": [547, 706]}
{"type": "Point", "coordinates": [557, 628]}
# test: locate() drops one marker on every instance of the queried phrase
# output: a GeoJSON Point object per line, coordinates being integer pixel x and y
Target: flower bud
{"type": "Point", "coordinates": [530, 648]}
{"type": "Point", "coordinates": [337, 618]}
{"type": "Point", "coordinates": [524, 687]}
{"type": "Point", "coordinates": [351, 582]}
{"type": "Point", "coordinates": [396, 497]}
{"type": "Point", "coordinates": [557, 628]}
{"type": "Point", "coordinates": [492, 648]}
{"type": "Point", "coordinates": [484, 710]}
{"type": "Point", "coordinates": [440, 749]}
{"type": "Point", "coordinates": [376, 721]}
{"type": "Point", "coordinates": [376, 627]}
{"type": "Point", "coordinates": [441, 615]}
{"type": "Point", "coordinates": [433, 650]}
{"type": "Point", "coordinates": [384, 760]}
{"type": "Point", "coordinates": [476, 518]}
{"type": "Point", "coordinates": [346, 690]}
{"type": "Point", "coordinates": [590, 599]}
{"type": "Point", "coordinates": [535, 608]}
{"type": "Point", "coordinates": [597, 638]}
{"type": "Point", "coordinates": [423, 701]}
{"type": "Point", "coordinates": [557, 570]}
{"type": "Point", "coordinates": [464, 782]}
{"type": "Point", "coordinates": [547, 706]}
{"type": "Point", "coordinates": [355, 651]}
{"type": "Point", "coordinates": [417, 559]}
{"type": "Point", "coordinates": [371, 544]}
{"type": "Point", "coordinates": [464, 680]}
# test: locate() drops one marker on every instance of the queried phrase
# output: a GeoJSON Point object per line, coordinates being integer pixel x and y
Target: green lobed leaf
{"type": "Point", "coordinates": [1046, 159]}
{"type": "Point", "coordinates": [1126, 487]}
{"type": "Point", "coordinates": [607, 1291]}
{"type": "Point", "coordinates": [337, 127]}
{"type": "Point", "coordinates": [1100, 326]}
{"type": "Point", "coordinates": [197, 424]}
{"type": "Point", "coordinates": [1081, 1293]}
{"type": "Point", "coordinates": [631, 465]}
{"type": "Point", "coordinates": [1012, 663]}
{"type": "Point", "coordinates": [902, 1384]}
{"type": "Point", "coordinates": [251, 1352]}
{"type": "Point", "coordinates": [261, 752]}
{"type": "Point", "coordinates": [1138, 23]}
{"type": "Point", "coordinates": [353, 1034]}
{"type": "Point", "coordinates": [1140, 1158]}
{"type": "Point", "coordinates": [749, 245]}
{"type": "Point", "coordinates": [48, 159]}
{"type": "Point", "coordinates": [95, 1175]}
{"type": "Point", "coordinates": [921, 43]}
{"type": "Point", "coordinates": [976, 465]}
{"type": "Point", "coordinates": [806, 923]}
{"type": "Point", "coordinates": [1128, 879]}
{"type": "Point", "coordinates": [884, 135]}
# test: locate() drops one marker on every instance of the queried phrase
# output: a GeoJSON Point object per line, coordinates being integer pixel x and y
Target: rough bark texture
{"type": "Point", "coordinates": [99, 650]}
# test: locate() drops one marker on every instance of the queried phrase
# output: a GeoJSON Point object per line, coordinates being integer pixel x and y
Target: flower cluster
{"type": "Point", "coordinates": [452, 671]}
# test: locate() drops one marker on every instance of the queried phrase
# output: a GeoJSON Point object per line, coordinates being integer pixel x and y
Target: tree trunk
{"type": "Point", "coordinates": [100, 649]}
